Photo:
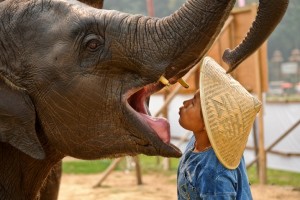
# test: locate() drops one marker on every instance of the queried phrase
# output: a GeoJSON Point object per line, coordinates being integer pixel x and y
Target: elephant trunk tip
{"type": "Point", "coordinates": [229, 58]}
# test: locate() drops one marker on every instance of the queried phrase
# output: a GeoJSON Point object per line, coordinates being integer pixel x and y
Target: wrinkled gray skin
{"type": "Point", "coordinates": [75, 79]}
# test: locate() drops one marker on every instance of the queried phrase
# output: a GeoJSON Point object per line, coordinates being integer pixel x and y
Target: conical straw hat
{"type": "Point", "coordinates": [229, 111]}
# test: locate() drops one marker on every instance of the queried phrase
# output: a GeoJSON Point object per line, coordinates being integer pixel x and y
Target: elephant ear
{"type": "Point", "coordinates": [17, 121]}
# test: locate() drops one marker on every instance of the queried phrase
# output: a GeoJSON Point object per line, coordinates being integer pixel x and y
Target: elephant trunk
{"type": "Point", "coordinates": [269, 15]}
{"type": "Point", "coordinates": [190, 32]}
{"type": "Point", "coordinates": [170, 45]}
{"type": "Point", "coordinates": [175, 43]}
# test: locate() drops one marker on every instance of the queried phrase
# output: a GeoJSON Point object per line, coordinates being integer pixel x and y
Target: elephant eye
{"type": "Point", "coordinates": [93, 45]}
{"type": "Point", "coordinates": [93, 42]}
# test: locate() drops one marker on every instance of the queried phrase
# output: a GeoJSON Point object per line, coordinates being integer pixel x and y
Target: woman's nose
{"type": "Point", "coordinates": [184, 103]}
{"type": "Point", "coordinates": [180, 108]}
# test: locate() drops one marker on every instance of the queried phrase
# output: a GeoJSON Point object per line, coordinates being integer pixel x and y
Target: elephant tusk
{"type": "Point", "coordinates": [164, 81]}
{"type": "Point", "coordinates": [183, 83]}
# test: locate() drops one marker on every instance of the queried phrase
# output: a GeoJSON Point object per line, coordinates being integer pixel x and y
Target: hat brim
{"type": "Point", "coordinates": [229, 111]}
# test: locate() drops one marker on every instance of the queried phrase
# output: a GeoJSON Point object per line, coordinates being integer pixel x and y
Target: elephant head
{"type": "Point", "coordinates": [82, 75]}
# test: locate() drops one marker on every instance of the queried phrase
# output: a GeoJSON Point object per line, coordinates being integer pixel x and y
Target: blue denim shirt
{"type": "Point", "coordinates": [202, 176]}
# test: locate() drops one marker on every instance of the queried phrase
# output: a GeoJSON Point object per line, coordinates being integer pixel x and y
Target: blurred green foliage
{"type": "Point", "coordinates": [85, 167]}
{"type": "Point", "coordinates": [276, 177]}
{"type": "Point", "coordinates": [152, 164]}
{"type": "Point", "coordinates": [148, 164]}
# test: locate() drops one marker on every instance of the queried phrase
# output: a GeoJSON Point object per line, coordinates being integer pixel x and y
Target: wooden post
{"type": "Point", "coordinates": [108, 171]}
{"type": "Point", "coordinates": [150, 8]}
{"type": "Point", "coordinates": [256, 146]}
{"type": "Point", "coordinates": [276, 142]}
{"type": "Point", "coordinates": [166, 161]}
{"type": "Point", "coordinates": [262, 167]}
{"type": "Point", "coordinates": [283, 135]}
{"type": "Point", "coordinates": [261, 141]}
{"type": "Point", "coordinates": [138, 170]}
{"type": "Point", "coordinates": [259, 60]}
{"type": "Point", "coordinates": [114, 164]}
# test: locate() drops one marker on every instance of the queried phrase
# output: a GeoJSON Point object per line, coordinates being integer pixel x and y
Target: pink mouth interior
{"type": "Point", "coordinates": [160, 125]}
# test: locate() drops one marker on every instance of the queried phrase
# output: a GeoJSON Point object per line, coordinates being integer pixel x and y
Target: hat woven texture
{"type": "Point", "coordinates": [229, 111]}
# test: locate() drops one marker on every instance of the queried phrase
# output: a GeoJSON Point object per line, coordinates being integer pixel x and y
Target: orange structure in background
{"type": "Point", "coordinates": [251, 73]}
{"type": "Point", "coordinates": [254, 69]}
{"type": "Point", "coordinates": [150, 8]}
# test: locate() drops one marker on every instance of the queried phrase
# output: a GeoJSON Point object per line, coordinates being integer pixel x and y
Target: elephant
{"type": "Point", "coordinates": [75, 80]}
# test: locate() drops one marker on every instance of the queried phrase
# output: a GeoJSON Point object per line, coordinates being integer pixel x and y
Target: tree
{"type": "Point", "coordinates": [287, 34]}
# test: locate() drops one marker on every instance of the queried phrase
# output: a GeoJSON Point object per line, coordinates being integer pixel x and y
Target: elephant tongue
{"type": "Point", "coordinates": [160, 125]}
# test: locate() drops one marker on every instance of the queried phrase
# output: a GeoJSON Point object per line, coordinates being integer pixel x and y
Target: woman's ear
{"type": "Point", "coordinates": [17, 121]}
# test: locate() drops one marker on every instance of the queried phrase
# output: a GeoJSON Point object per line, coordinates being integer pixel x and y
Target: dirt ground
{"type": "Point", "coordinates": [123, 186]}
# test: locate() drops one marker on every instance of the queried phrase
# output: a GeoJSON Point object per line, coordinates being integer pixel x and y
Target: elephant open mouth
{"type": "Point", "coordinates": [138, 101]}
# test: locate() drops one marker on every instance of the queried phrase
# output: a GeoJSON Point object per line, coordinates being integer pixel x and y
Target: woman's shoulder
{"type": "Point", "coordinates": [215, 174]}
{"type": "Point", "coordinates": [213, 168]}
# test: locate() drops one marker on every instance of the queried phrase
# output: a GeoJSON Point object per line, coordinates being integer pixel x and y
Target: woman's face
{"type": "Point", "coordinates": [191, 114]}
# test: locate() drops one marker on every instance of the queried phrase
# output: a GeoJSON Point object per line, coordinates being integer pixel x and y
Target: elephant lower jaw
{"type": "Point", "coordinates": [159, 126]}
{"type": "Point", "coordinates": [165, 150]}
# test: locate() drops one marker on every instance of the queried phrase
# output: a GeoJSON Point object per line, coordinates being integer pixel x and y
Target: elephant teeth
{"type": "Point", "coordinates": [164, 81]}
{"type": "Point", "coordinates": [183, 83]}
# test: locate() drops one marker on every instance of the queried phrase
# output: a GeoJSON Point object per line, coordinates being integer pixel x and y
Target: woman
{"type": "Point", "coordinates": [220, 115]}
